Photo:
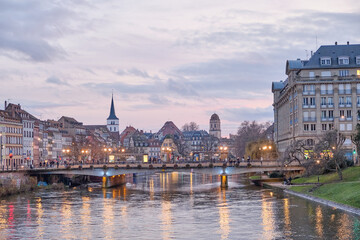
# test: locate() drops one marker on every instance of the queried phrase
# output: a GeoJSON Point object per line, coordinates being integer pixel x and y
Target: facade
{"type": "Point", "coordinates": [11, 139]}
{"type": "Point", "coordinates": [169, 128]}
{"type": "Point", "coordinates": [28, 122]}
{"type": "Point", "coordinates": [215, 127]}
{"type": "Point", "coordinates": [112, 121]}
{"type": "Point", "coordinates": [319, 94]}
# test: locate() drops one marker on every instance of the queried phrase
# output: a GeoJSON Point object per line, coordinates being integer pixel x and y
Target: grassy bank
{"type": "Point", "coordinates": [331, 188]}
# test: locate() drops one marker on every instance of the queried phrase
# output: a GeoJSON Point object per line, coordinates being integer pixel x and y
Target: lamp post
{"type": "Point", "coordinates": [223, 151]}
{"type": "Point", "coordinates": [107, 152]}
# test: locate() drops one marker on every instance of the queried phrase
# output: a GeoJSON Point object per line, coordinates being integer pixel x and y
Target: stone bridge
{"type": "Point", "coordinates": [112, 174]}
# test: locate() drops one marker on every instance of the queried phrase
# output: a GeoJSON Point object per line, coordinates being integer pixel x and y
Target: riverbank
{"type": "Point", "coordinates": [328, 189]}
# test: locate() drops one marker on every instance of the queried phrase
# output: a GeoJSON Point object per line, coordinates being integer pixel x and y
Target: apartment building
{"type": "Point", "coordinates": [319, 94]}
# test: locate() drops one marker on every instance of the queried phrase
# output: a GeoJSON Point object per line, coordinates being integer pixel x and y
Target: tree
{"type": "Point", "coordinates": [191, 126]}
{"type": "Point", "coordinates": [256, 149]}
{"type": "Point", "coordinates": [330, 151]}
{"type": "Point", "coordinates": [356, 138]}
{"type": "Point", "coordinates": [182, 147]}
{"type": "Point", "coordinates": [249, 132]}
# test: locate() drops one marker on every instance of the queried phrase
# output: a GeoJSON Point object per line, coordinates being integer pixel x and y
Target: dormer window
{"type": "Point", "coordinates": [325, 61]}
{"type": "Point", "coordinates": [358, 60]}
{"type": "Point", "coordinates": [343, 60]}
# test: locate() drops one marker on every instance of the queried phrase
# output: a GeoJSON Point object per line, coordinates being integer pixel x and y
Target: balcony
{"type": "Point", "coordinates": [347, 91]}
{"type": "Point", "coordinates": [358, 91]}
{"type": "Point", "coordinates": [305, 106]}
{"type": "Point", "coordinates": [324, 92]}
{"type": "Point", "coordinates": [323, 105]}
{"type": "Point", "coordinates": [330, 105]}
{"type": "Point", "coordinates": [348, 104]}
{"type": "Point", "coordinates": [309, 119]}
{"type": "Point", "coordinates": [341, 105]}
{"type": "Point", "coordinates": [341, 91]}
{"type": "Point", "coordinates": [313, 106]}
{"type": "Point", "coordinates": [309, 93]}
{"type": "Point", "coordinates": [349, 118]}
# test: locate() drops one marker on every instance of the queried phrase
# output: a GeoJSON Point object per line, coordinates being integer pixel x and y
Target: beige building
{"type": "Point", "coordinates": [319, 94]}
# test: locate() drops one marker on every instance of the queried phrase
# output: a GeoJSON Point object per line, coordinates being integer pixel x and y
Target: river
{"type": "Point", "coordinates": [172, 205]}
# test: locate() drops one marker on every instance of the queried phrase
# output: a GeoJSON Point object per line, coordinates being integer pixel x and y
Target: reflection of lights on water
{"type": "Point", "coordinates": [267, 218]}
{"type": "Point", "coordinates": [271, 194]}
{"type": "Point", "coordinates": [108, 217]}
{"type": "Point", "coordinates": [345, 226]}
{"type": "Point", "coordinates": [3, 222]}
{"type": "Point", "coordinates": [224, 215]}
{"type": "Point", "coordinates": [86, 216]}
{"type": "Point", "coordinates": [287, 220]}
{"type": "Point", "coordinates": [319, 222]}
{"type": "Point", "coordinates": [166, 219]}
{"type": "Point", "coordinates": [39, 221]}
{"type": "Point", "coordinates": [151, 189]}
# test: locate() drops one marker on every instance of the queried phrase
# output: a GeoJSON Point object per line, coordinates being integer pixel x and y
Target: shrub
{"type": "Point", "coordinates": [91, 167]}
{"type": "Point", "coordinates": [187, 165]}
{"type": "Point", "coordinates": [176, 166]}
{"type": "Point", "coordinates": [199, 165]}
{"type": "Point", "coordinates": [139, 166]}
{"type": "Point", "coordinates": [68, 167]}
{"type": "Point", "coordinates": [151, 166]}
{"type": "Point", "coordinates": [127, 166]}
{"type": "Point", "coordinates": [276, 175]}
{"type": "Point", "coordinates": [104, 166]}
{"type": "Point", "coordinates": [116, 167]}
{"type": "Point", "coordinates": [224, 165]}
{"type": "Point", "coordinates": [164, 166]}
{"type": "Point", "coordinates": [211, 165]}
{"type": "Point", "coordinates": [80, 167]}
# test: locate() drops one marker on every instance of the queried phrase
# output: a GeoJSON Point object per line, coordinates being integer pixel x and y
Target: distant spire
{"type": "Point", "coordinates": [112, 109]}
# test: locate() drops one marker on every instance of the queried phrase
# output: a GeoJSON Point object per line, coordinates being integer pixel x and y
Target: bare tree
{"type": "Point", "coordinates": [356, 139]}
{"type": "Point", "coordinates": [249, 132]}
{"type": "Point", "coordinates": [191, 126]}
{"type": "Point", "coordinates": [330, 151]}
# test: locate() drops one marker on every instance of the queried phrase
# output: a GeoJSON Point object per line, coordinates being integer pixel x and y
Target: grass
{"type": "Point", "coordinates": [349, 174]}
{"type": "Point", "coordinates": [255, 177]}
{"type": "Point", "coordinates": [346, 191]}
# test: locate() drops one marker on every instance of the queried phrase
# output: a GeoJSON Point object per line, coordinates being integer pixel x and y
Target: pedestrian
{"type": "Point", "coordinates": [57, 163]}
{"type": "Point", "coordinates": [248, 159]}
{"type": "Point", "coordinates": [261, 160]}
{"type": "Point", "coordinates": [243, 159]}
{"type": "Point", "coordinates": [238, 160]}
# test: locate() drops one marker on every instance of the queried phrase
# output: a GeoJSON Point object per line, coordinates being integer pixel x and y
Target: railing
{"type": "Point", "coordinates": [323, 92]}
{"type": "Point", "coordinates": [308, 92]}
{"type": "Point", "coordinates": [309, 119]}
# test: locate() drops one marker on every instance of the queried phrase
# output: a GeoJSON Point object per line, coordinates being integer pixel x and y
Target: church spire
{"type": "Point", "coordinates": [112, 115]}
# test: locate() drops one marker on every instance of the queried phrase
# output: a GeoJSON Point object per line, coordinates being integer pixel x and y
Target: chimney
{"type": "Point", "coordinates": [347, 42]}
{"type": "Point", "coordinates": [335, 43]}
{"type": "Point", "coordinates": [5, 105]}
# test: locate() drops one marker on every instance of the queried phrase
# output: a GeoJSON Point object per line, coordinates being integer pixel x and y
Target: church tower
{"type": "Point", "coordinates": [215, 129]}
{"type": "Point", "coordinates": [112, 121]}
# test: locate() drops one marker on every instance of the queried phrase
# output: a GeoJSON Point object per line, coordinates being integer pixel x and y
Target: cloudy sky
{"type": "Point", "coordinates": [164, 60]}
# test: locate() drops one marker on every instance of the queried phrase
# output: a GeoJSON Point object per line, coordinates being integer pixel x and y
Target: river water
{"type": "Point", "coordinates": [172, 205]}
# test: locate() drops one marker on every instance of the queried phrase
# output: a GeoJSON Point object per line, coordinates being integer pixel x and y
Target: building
{"type": "Point", "coordinates": [215, 127]}
{"type": "Point", "coordinates": [113, 121]}
{"type": "Point", "coordinates": [319, 94]}
{"type": "Point", "coordinates": [28, 122]}
{"type": "Point", "coordinates": [169, 128]}
{"type": "Point", "coordinates": [11, 140]}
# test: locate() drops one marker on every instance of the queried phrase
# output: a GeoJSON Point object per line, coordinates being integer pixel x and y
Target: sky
{"type": "Point", "coordinates": [177, 61]}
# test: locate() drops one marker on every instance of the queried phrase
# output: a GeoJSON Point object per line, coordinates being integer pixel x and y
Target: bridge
{"type": "Point", "coordinates": [114, 174]}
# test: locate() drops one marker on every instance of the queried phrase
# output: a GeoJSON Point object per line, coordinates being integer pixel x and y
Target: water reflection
{"type": "Point", "coordinates": [224, 215]}
{"type": "Point", "coordinates": [173, 205]}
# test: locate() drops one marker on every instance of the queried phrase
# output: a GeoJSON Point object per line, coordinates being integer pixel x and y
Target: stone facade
{"type": "Point", "coordinates": [319, 94]}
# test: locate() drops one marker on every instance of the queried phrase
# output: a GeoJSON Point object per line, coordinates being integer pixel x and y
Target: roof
{"type": "Point", "coordinates": [214, 117]}
{"type": "Point", "coordinates": [333, 51]}
{"type": "Point", "coordinates": [276, 86]}
{"type": "Point", "coordinates": [112, 115]}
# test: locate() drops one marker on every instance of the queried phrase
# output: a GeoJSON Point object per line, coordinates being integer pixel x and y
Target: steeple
{"type": "Point", "coordinates": [112, 115]}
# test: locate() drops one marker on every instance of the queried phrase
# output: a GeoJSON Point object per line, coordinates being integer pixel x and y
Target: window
{"type": "Point", "coordinates": [343, 73]}
{"type": "Point", "coordinates": [341, 89]}
{"type": "Point", "coordinates": [348, 100]}
{"type": "Point", "coordinates": [348, 113]}
{"type": "Point", "coordinates": [348, 88]}
{"type": "Point", "coordinates": [310, 142]}
{"type": "Point", "coordinates": [343, 60]}
{"type": "Point", "coordinates": [330, 101]}
{"type": "Point", "coordinates": [325, 61]}
{"type": "Point", "coordinates": [358, 100]}
{"type": "Point", "coordinates": [349, 127]}
{"type": "Point", "coordinates": [323, 100]}
{"type": "Point", "coordinates": [358, 60]}
{"type": "Point", "coordinates": [312, 101]}
{"type": "Point", "coordinates": [306, 127]}
{"type": "Point", "coordinates": [323, 114]}
{"type": "Point", "coordinates": [313, 127]}
{"type": "Point", "coordinates": [331, 114]}
{"type": "Point", "coordinates": [341, 100]}
{"type": "Point", "coordinates": [342, 127]}
{"type": "Point", "coordinates": [306, 101]}
{"type": "Point", "coordinates": [323, 127]}
{"type": "Point", "coordinates": [311, 74]}
{"type": "Point", "coordinates": [331, 126]}
{"type": "Point", "coordinates": [342, 113]}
